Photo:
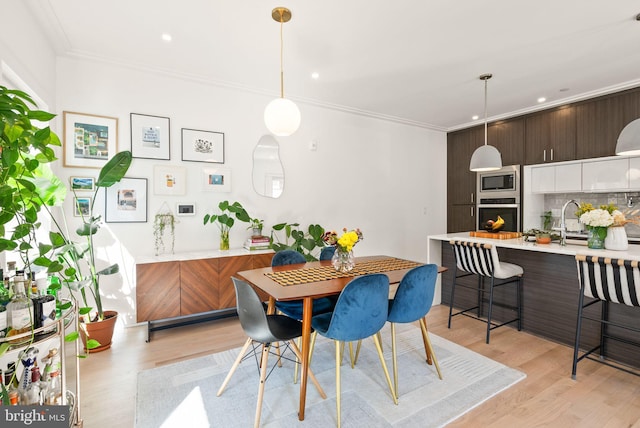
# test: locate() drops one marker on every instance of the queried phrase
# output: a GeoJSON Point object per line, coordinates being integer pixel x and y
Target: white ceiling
{"type": "Point", "coordinates": [415, 62]}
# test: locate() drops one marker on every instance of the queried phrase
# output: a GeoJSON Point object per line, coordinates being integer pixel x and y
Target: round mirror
{"type": "Point", "coordinates": [268, 173]}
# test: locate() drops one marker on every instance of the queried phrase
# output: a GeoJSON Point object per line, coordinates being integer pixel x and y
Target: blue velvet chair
{"type": "Point", "coordinates": [327, 253]}
{"type": "Point", "coordinates": [412, 302]}
{"type": "Point", "coordinates": [361, 311]}
{"type": "Point", "coordinates": [293, 308]}
{"type": "Point", "coordinates": [264, 330]}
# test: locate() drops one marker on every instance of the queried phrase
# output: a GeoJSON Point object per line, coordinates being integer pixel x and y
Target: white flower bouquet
{"type": "Point", "coordinates": [597, 218]}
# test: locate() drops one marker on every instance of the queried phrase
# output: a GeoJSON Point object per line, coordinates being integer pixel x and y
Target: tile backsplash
{"type": "Point", "coordinates": [627, 203]}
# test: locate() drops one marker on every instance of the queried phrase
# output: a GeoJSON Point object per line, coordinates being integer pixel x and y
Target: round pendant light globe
{"type": "Point", "coordinates": [282, 117]}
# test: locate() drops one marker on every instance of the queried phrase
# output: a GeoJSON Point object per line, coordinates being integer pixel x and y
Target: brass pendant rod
{"type": "Point", "coordinates": [281, 59]}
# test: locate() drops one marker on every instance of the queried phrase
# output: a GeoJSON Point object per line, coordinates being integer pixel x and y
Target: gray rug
{"type": "Point", "coordinates": [184, 394]}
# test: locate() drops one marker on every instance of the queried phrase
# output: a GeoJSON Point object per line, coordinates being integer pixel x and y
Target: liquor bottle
{"type": "Point", "coordinates": [3, 321]}
{"type": "Point", "coordinates": [20, 310]}
{"type": "Point", "coordinates": [53, 286]}
{"type": "Point", "coordinates": [53, 391]}
{"type": "Point", "coordinates": [28, 358]}
{"type": "Point", "coordinates": [44, 311]}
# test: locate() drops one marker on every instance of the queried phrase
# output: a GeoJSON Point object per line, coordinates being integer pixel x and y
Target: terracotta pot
{"type": "Point", "coordinates": [102, 331]}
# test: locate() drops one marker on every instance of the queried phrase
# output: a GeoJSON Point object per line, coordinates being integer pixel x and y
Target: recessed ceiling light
{"type": "Point", "coordinates": [542, 99]}
{"type": "Point", "coordinates": [166, 37]}
{"type": "Point", "coordinates": [475, 117]}
{"type": "Point", "coordinates": [315, 75]}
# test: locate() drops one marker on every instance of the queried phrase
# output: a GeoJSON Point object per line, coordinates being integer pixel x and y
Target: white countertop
{"type": "Point", "coordinates": [196, 255]}
{"type": "Point", "coordinates": [572, 248]}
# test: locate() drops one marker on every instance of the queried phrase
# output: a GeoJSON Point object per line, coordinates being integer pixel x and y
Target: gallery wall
{"type": "Point", "coordinates": [386, 178]}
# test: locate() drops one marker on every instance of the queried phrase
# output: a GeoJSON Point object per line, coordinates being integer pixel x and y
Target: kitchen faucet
{"type": "Point", "coordinates": [563, 224]}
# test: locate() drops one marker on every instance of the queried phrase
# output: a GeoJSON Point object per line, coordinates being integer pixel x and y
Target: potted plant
{"type": "Point", "coordinates": [77, 264]}
{"type": "Point", "coordinates": [256, 226]}
{"type": "Point", "coordinates": [225, 220]}
{"type": "Point", "coordinates": [161, 223]}
{"type": "Point", "coordinates": [295, 239]}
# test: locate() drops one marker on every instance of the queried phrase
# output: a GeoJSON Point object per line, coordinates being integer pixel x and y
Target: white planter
{"type": "Point", "coordinates": [616, 239]}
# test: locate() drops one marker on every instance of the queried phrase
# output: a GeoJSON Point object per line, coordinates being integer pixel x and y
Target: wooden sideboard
{"type": "Point", "coordinates": [170, 293]}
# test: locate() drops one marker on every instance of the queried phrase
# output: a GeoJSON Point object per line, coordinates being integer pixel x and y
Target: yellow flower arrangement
{"type": "Point", "coordinates": [346, 242]}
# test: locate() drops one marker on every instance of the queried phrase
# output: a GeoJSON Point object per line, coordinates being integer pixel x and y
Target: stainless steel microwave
{"type": "Point", "coordinates": [503, 183]}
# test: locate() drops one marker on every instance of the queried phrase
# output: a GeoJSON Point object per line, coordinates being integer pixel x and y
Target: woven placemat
{"type": "Point", "coordinates": [323, 273]}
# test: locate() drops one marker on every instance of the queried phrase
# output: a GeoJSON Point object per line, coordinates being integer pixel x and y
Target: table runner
{"type": "Point", "coordinates": [323, 273]}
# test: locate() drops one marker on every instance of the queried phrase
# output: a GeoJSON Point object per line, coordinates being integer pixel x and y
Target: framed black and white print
{"type": "Point", "coordinates": [126, 201]}
{"type": "Point", "coordinates": [202, 146]}
{"type": "Point", "coordinates": [150, 137]}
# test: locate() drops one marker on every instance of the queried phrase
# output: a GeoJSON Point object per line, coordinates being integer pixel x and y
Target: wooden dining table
{"type": "Point", "coordinates": [312, 280]}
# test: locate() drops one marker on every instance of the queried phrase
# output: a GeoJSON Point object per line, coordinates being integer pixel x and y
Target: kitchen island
{"type": "Point", "coordinates": [550, 289]}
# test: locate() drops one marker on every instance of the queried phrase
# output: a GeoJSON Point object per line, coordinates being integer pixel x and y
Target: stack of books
{"type": "Point", "coordinates": [257, 243]}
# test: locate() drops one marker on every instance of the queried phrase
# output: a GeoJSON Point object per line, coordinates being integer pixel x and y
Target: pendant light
{"type": "Point", "coordinates": [281, 115]}
{"type": "Point", "coordinates": [629, 139]}
{"type": "Point", "coordinates": [485, 158]}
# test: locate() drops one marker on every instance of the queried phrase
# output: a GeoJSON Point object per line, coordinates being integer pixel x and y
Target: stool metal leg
{"type": "Point", "coordinates": [490, 312]}
{"type": "Point", "coordinates": [576, 346]}
{"type": "Point", "coordinates": [453, 289]}
{"type": "Point", "coordinates": [519, 301]}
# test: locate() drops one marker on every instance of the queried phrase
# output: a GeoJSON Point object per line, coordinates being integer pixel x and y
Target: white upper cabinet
{"type": "Point", "coordinates": [561, 178]}
{"type": "Point", "coordinates": [634, 174]}
{"type": "Point", "coordinates": [605, 175]}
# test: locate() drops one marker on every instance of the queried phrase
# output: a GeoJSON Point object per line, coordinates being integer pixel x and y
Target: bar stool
{"type": "Point", "coordinates": [474, 258]}
{"type": "Point", "coordinates": [605, 280]}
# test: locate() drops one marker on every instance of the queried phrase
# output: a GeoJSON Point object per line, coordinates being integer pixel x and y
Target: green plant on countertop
{"type": "Point", "coordinates": [303, 242]}
{"type": "Point", "coordinates": [256, 224]}
{"type": "Point", "coordinates": [225, 220]}
{"type": "Point", "coordinates": [546, 220]}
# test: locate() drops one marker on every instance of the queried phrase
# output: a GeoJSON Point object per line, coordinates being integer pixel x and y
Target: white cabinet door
{"type": "Point", "coordinates": [569, 178]}
{"type": "Point", "coordinates": [543, 179]}
{"type": "Point", "coordinates": [634, 174]}
{"type": "Point", "coordinates": [605, 175]}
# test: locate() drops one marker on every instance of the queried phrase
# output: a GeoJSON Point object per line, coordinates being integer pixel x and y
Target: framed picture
{"type": "Point", "coordinates": [169, 180]}
{"type": "Point", "coordinates": [82, 206]}
{"type": "Point", "coordinates": [89, 140]}
{"type": "Point", "coordinates": [216, 180]}
{"type": "Point", "coordinates": [82, 184]}
{"type": "Point", "coordinates": [150, 137]}
{"type": "Point", "coordinates": [126, 201]}
{"type": "Point", "coordinates": [185, 208]}
{"type": "Point", "coordinates": [202, 146]}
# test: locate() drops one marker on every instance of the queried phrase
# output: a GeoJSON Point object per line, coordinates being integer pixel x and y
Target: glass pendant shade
{"type": "Point", "coordinates": [485, 158]}
{"type": "Point", "coordinates": [629, 139]}
{"type": "Point", "coordinates": [282, 117]}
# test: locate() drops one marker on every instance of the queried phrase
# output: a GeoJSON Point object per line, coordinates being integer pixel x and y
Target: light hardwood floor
{"type": "Point", "coordinates": [548, 397]}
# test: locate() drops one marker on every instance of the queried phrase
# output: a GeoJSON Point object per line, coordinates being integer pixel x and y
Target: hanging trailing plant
{"type": "Point", "coordinates": [162, 223]}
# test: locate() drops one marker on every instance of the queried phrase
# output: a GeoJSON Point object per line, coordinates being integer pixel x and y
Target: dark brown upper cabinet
{"type": "Point", "coordinates": [601, 120]}
{"type": "Point", "coordinates": [550, 136]}
{"type": "Point", "coordinates": [508, 137]}
{"type": "Point", "coordinates": [461, 183]}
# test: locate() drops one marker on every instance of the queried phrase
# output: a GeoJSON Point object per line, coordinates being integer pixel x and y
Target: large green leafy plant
{"type": "Point", "coordinates": [226, 219]}
{"type": "Point", "coordinates": [76, 261]}
{"type": "Point", "coordinates": [304, 242]}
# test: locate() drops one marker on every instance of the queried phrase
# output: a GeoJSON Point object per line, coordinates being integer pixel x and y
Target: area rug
{"type": "Point", "coordinates": [184, 393]}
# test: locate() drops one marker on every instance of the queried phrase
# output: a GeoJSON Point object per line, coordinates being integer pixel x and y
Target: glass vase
{"type": "Point", "coordinates": [597, 235]}
{"type": "Point", "coordinates": [343, 261]}
{"type": "Point", "coordinates": [616, 239]}
{"type": "Point", "coordinates": [224, 240]}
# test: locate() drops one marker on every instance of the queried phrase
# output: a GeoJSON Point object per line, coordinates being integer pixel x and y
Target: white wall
{"type": "Point", "coordinates": [387, 179]}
